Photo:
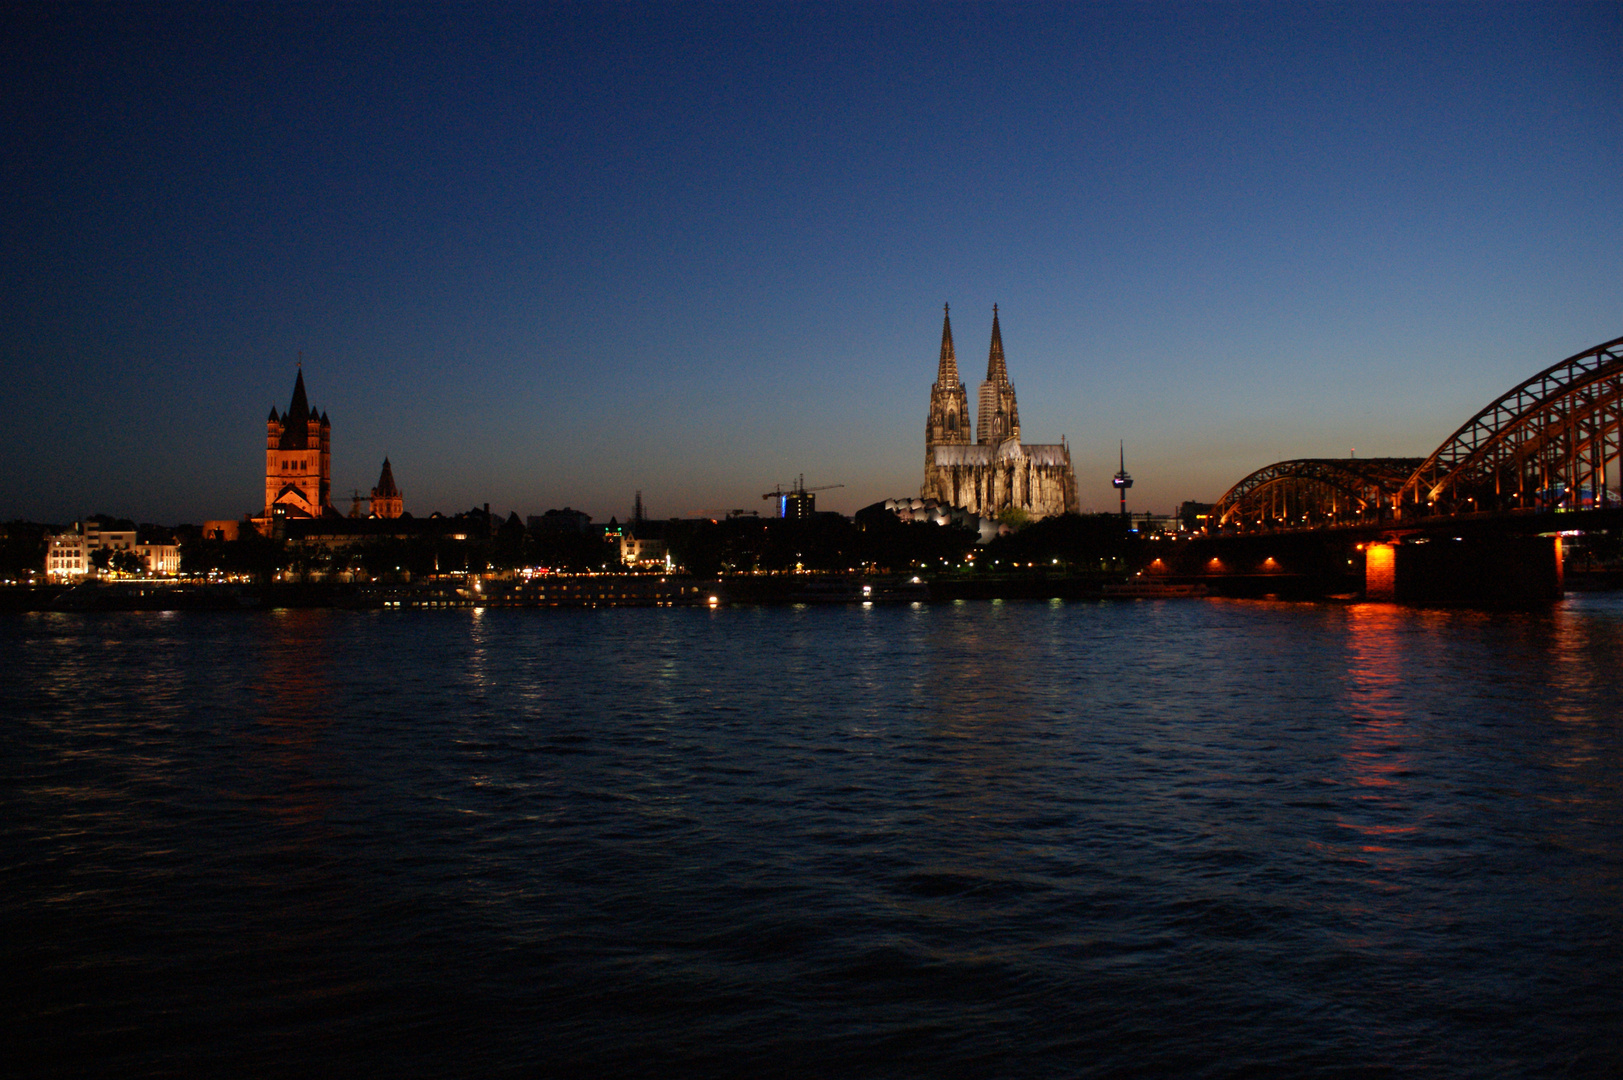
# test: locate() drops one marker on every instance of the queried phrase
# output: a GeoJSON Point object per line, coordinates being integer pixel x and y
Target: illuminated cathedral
{"type": "Point", "coordinates": [995, 471]}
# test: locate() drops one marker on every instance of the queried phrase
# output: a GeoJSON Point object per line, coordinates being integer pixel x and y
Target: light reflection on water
{"type": "Point", "coordinates": [1192, 838]}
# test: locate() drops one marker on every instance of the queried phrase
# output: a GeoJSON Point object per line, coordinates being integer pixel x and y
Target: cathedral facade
{"type": "Point", "coordinates": [989, 470]}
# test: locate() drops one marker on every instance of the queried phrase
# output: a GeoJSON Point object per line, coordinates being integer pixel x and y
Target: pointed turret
{"type": "Point", "coordinates": [999, 416]}
{"type": "Point", "coordinates": [996, 370]}
{"type": "Point", "coordinates": [947, 373]}
{"type": "Point", "coordinates": [385, 481]}
{"type": "Point", "coordinates": [948, 422]}
{"type": "Point", "coordinates": [296, 424]}
{"type": "Point", "coordinates": [387, 500]}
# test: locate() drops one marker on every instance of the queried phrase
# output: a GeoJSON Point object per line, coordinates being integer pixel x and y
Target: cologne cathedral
{"type": "Point", "coordinates": [995, 471]}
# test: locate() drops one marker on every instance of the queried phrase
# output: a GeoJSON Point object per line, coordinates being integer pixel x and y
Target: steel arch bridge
{"type": "Point", "coordinates": [1546, 444]}
{"type": "Point", "coordinates": [1315, 491]}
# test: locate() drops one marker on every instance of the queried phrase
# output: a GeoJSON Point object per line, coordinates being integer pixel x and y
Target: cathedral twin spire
{"type": "Point", "coordinates": [949, 402]}
{"type": "Point", "coordinates": [989, 470]}
{"type": "Point", "coordinates": [947, 374]}
{"type": "Point", "coordinates": [996, 371]}
{"type": "Point", "coordinates": [999, 417]}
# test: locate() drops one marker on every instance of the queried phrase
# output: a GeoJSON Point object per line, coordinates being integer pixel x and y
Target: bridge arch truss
{"type": "Point", "coordinates": [1546, 443]}
{"type": "Point", "coordinates": [1315, 491]}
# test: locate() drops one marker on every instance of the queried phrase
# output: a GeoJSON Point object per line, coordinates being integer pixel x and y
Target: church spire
{"type": "Point", "coordinates": [947, 374]}
{"type": "Point", "coordinates": [387, 502]}
{"type": "Point", "coordinates": [996, 371]}
{"type": "Point", "coordinates": [386, 481]}
{"type": "Point", "coordinates": [999, 418]}
{"type": "Point", "coordinates": [949, 401]}
{"type": "Point", "coordinates": [296, 423]}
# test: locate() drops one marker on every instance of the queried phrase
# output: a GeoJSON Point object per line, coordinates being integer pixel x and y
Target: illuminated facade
{"type": "Point", "coordinates": [995, 472]}
{"type": "Point", "coordinates": [298, 462]}
{"type": "Point", "coordinates": [635, 552]}
{"type": "Point", "coordinates": [68, 555]}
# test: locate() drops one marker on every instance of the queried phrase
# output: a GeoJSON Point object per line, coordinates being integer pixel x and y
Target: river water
{"type": "Point", "coordinates": [1185, 838]}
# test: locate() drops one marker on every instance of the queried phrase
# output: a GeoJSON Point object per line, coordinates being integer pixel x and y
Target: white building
{"type": "Point", "coordinates": [634, 552]}
{"type": "Point", "coordinates": [113, 539]}
{"type": "Point", "coordinates": [161, 560]}
{"type": "Point", "coordinates": [67, 556]}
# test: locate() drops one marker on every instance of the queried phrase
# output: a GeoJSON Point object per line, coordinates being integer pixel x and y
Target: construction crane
{"type": "Point", "coordinates": [799, 497]}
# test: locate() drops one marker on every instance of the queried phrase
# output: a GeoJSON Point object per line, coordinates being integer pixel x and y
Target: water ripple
{"type": "Point", "coordinates": [1205, 839]}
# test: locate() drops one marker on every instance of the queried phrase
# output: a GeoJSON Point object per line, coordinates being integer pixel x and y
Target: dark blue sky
{"type": "Point", "coordinates": [551, 256]}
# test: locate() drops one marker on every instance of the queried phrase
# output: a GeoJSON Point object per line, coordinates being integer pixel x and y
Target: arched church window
{"type": "Point", "coordinates": [952, 421]}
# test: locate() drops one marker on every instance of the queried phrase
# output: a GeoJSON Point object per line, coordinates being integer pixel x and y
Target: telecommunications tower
{"type": "Point", "coordinates": [1121, 480]}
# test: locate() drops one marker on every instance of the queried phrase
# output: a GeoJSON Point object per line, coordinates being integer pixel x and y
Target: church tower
{"type": "Point", "coordinates": [298, 460]}
{"type": "Point", "coordinates": [999, 418]}
{"type": "Point", "coordinates": [387, 501]}
{"type": "Point", "coordinates": [949, 401]}
{"type": "Point", "coordinates": [996, 472]}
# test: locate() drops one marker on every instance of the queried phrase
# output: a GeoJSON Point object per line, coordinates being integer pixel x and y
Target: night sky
{"type": "Point", "coordinates": [544, 256]}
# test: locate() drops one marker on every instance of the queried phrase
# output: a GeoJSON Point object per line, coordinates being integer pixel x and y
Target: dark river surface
{"type": "Point", "coordinates": [1174, 838]}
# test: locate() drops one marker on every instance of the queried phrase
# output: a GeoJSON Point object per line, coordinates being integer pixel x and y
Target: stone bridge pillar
{"type": "Point", "coordinates": [1492, 571]}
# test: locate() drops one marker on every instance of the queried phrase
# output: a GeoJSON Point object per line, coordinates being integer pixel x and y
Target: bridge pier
{"type": "Point", "coordinates": [1485, 570]}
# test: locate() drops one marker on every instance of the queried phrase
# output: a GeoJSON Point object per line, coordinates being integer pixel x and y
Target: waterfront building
{"type": "Point", "coordinates": [160, 560]}
{"type": "Point", "coordinates": [67, 557]}
{"type": "Point", "coordinates": [68, 554]}
{"type": "Point", "coordinates": [639, 552]}
{"type": "Point", "coordinates": [111, 537]}
{"type": "Point", "coordinates": [988, 470]}
{"type": "Point", "coordinates": [298, 462]}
